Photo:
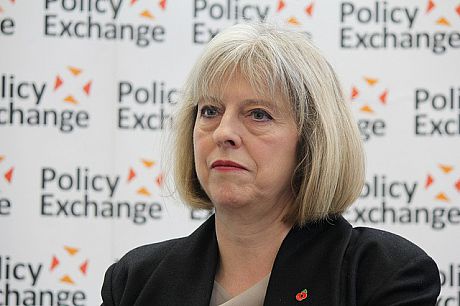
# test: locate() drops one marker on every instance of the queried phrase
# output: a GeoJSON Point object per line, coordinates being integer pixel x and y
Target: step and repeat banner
{"type": "Point", "coordinates": [88, 93]}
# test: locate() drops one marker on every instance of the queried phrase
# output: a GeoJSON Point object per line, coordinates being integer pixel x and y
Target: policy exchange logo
{"type": "Point", "coordinates": [295, 13]}
{"type": "Point", "coordinates": [27, 282]}
{"type": "Point", "coordinates": [399, 25]}
{"type": "Point", "coordinates": [106, 21]}
{"type": "Point", "coordinates": [445, 15]}
{"type": "Point", "coordinates": [69, 265]}
{"type": "Point", "coordinates": [145, 176]}
{"type": "Point", "coordinates": [51, 103]}
{"type": "Point", "coordinates": [72, 86]}
{"type": "Point", "coordinates": [443, 184]}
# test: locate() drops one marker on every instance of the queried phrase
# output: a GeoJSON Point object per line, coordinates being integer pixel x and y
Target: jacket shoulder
{"type": "Point", "coordinates": [148, 255]}
{"type": "Point", "coordinates": [124, 279]}
{"type": "Point", "coordinates": [388, 245]}
{"type": "Point", "coordinates": [387, 269]}
{"type": "Point", "coordinates": [154, 273]}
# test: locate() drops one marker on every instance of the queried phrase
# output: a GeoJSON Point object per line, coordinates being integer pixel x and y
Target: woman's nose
{"type": "Point", "coordinates": [228, 132]}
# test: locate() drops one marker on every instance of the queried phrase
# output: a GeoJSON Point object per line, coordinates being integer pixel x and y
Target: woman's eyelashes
{"type": "Point", "coordinates": [209, 111]}
{"type": "Point", "coordinates": [256, 114]}
{"type": "Point", "coordinates": [260, 115]}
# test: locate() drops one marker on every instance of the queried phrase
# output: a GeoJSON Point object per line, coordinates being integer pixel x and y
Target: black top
{"type": "Point", "coordinates": [335, 263]}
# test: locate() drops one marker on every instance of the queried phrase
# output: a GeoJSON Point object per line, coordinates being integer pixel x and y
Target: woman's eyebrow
{"type": "Point", "coordinates": [210, 99]}
{"type": "Point", "coordinates": [273, 106]}
{"type": "Point", "coordinates": [261, 102]}
{"type": "Point", "coordinates": [246, 102]}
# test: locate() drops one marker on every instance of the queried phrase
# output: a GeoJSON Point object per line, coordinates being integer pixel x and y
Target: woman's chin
{"type": "Point", "coordinates": [232, 194]}
{"type": "Point", "coordinates": [230, 199]}
{"type": "Point", "coordinates": [229, 202]}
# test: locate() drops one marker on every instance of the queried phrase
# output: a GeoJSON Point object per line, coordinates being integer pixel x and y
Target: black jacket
{"type": "Point", "coordinates": [337, 264]}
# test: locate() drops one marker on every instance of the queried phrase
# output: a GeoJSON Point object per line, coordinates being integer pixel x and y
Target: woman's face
{"type": "Point", "coordinates": [245, 148]}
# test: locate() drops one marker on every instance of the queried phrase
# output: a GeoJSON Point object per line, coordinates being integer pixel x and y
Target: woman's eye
{"type": "Point", "coordinates": [208, 111]}
{"type": "Point", "coordinates": [260, 115]}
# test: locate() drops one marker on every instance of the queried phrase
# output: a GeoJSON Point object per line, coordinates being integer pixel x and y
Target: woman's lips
{"type": "Point", "coordinates": [226, 165]}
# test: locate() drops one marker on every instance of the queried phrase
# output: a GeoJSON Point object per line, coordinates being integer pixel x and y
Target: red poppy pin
{"type": "Point", "coordinates": [302, 295]}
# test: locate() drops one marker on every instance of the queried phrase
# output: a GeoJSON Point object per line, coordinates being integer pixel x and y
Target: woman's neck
{"type": "Point", "coordinates": [247, 248]}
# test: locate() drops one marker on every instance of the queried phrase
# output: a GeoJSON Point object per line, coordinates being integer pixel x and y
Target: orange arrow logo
{"type": "Point", "coordinates": [371, 81]}
{"type": "Point", "coordinates": [9, 175]}
{"type": "Point", "coordinates": [442, 197]}
{"type": "Point", "coordinates": [75, 71]}
{"type": "Point", "coordinates": [131, 174]}
{"type": "Point", "coordinates": [57, 82]}
{"type": "Point", "coordinates": [367, 109]}
{"type": "Point", "coordinates": [281, 5]}
{"type": "Point", "coordinates": [147, 14]}
{"type": "Point", "coordinates": [443, 21]}
{"type": "Point", "coordinates": [160, 179]}
{"type": "Point", "coordinates": [87, 88]}
{"type": "Point", "coordinates": [67, 279]}
{"type": "Point", "coordinates": [71, 251]}
{"type": "Point", "coordinates": [354, 92]}
{"type": "Point", "coordinates": [309, 9]}
{"type": "Point", "coordinates": [383, 97]}
{"type": "Point", "coordinates": [429, 181]}
{"type": "Point", "coordinates": [54, 263]}
{"type": "Point", "coordinates": [446, 168]}
{"type": "Point", "coordinates": [148, 163]}
{"type": "Point", "coordinates": [293, 21]}
{"type": "Point", "coordinates": [430, 6]}
{"type": "Point", "coordinates": [143, 191]}
{"type": "Point", "coordinates": [84, 267]}
{"type": "Point", "coordinates": [70, 99]}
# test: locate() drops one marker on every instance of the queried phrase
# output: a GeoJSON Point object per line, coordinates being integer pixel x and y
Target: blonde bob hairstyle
{"type": "Point", "coordinates": [277, 63]}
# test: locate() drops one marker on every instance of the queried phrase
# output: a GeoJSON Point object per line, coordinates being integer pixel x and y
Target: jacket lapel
{"type": "Point", "coordinates": [307, 260]}
{"type": "Point", "coordinates": [186, 275]}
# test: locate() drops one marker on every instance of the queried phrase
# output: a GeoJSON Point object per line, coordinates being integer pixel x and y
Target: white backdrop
{"type": "Point", "coordinates": [88, 90]}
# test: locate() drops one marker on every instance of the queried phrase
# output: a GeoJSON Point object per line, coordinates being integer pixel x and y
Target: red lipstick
{"type": "Point", "coordinates": [226, 165]}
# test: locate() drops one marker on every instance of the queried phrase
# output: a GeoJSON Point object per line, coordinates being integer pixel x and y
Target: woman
{"type": "Point", "coordinates": [278, 156]}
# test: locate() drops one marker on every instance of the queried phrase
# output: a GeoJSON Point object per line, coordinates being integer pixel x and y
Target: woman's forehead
{"type": "Point", "coordinates": [238, 83]}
